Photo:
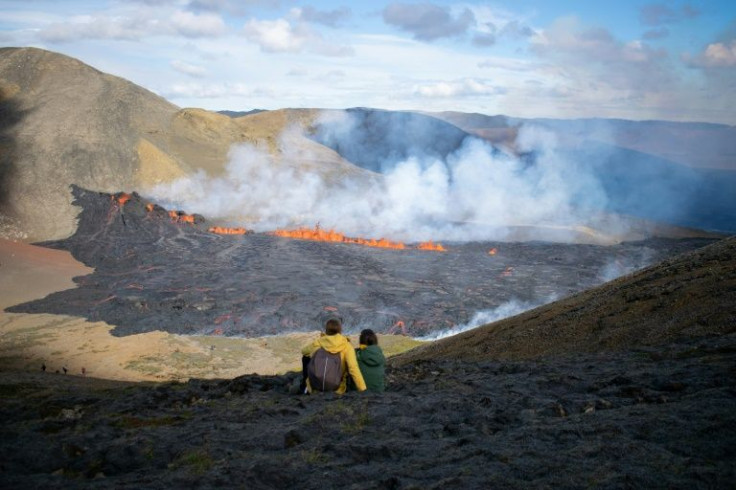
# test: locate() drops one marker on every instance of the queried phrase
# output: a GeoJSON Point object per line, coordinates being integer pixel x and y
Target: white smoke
{"type": "Point", "coordinates": [506, 310]}
{"type": "Point", "coordinates": [621, 266]}
{"type": "Point", "coordinates": [475, 193]}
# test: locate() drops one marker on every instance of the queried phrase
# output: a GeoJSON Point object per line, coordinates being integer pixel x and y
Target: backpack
{"type": "Point", "coordinates": [325, 371]}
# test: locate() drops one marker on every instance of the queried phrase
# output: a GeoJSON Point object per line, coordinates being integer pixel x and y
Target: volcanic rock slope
{"type": "Point", "coordinates": [692, 295]}
{"type": "Point", "coordinates": [661, 415]}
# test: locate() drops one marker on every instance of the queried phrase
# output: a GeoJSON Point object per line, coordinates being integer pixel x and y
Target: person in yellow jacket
{"type": "Point", "coordinates": [334, 341]}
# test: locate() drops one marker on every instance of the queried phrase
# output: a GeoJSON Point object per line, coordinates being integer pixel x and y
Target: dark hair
{"type": "Point", "coordinates": [333, 326]}
{"type": "Point", "coordinates": [368, 337]}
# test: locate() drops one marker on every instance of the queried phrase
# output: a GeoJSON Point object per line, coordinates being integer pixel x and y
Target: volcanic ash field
{"type": "Point", "coordinates": [161, 270]}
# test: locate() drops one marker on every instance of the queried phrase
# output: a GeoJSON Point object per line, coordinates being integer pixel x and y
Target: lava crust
{"type": "Point", "coordinates": [158, 270]}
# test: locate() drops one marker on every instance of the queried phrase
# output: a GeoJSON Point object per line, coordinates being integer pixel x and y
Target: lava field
{"type": "Point", "coordinates": [165, 270]}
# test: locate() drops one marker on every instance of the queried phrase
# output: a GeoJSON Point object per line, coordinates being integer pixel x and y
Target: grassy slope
{"type": "Point", "coordinates": [687, 296]}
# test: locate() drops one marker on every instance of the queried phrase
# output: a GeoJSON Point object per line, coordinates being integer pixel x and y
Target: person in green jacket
{"type": "Point", "coordinates": [371, 361]}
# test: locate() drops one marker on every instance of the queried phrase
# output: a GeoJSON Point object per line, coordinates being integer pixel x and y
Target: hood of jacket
{"type": "Point", "coordinates": [371, 355]}
{"type": "Point", "coordinates": [334, 343]}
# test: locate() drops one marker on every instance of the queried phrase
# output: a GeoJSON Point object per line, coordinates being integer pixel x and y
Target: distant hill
{"type": "Point", "coordinates": [683, 174]}
{"type": "Point", "coordinates": [688, 296]}
{"type": "Point", "coordinates": [240, 113]}
{"type": "Point", "coordinates": [694, 144]}
{"type": "Point", "coordinates": [376, 139]}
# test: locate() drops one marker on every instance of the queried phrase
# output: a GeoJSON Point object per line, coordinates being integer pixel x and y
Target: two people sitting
{"type": "Point", "coordinates": [331, 359]}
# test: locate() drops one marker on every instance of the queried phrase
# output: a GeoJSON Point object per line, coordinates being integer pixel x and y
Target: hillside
{"type": "Point", "coordinates": [679, 173]}
{"type": "Point", "coordinates": [641, 399]}
{"type": "Point", "coordinates": [700, 145]}
{"type": "Point", "coordinates": [65, 123]}
{"type": "Point", "coordinates": [690, 296]}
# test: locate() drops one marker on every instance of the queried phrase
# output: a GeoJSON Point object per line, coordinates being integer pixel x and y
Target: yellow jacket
{"type": "Point", "coordinates": [334, 344]}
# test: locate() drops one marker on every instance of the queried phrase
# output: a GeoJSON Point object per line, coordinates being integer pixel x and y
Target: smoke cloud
{"type": "Point", "coordinates": [468, 190]}
{"type": "Point", "coordinates": [506, 310]}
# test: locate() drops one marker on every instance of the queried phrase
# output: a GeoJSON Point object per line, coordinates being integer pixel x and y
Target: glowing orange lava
{"type": "Point", "coordinates": [221, 230]}
{"type": "Point", "coordinates": [122, 198]}
{"type": "Point", "coordinates": [321, 235]}
{"type": "Point", "coordinates": [181, 217]}
{"type": "Point", "coordinates": [492, 251]}
{"type": "Point", "coordinates": [437, 247]}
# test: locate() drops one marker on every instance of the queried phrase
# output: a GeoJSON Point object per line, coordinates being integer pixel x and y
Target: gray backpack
{"type": "Point", "coordinates": [325, 371]}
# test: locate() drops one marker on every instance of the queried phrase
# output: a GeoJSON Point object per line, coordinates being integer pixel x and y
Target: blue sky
{"type": "Point", "coordinates": [671, 60]}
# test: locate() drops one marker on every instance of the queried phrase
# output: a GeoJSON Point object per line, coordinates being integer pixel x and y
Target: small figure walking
{"type": "Point", "coordinates": [43, 367]}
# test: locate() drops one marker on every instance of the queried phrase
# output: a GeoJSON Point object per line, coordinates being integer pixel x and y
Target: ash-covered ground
{"type": "Point", "coordinates": [655, 417]}
{"type": "Point", "coordinates": [153, 272]}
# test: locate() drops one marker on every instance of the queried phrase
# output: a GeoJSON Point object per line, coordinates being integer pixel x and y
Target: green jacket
{"type": "Point", "coordinates": [372, 365]}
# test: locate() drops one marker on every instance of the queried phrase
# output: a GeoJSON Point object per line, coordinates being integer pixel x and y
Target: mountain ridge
{"type": "Point", "coordinates": [65, 122]}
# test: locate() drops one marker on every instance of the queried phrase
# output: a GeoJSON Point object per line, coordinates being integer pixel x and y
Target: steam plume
{"type": "Point", "coordinates": [506, 310]}
{"type": "Point", "coordinates": [472, 192]}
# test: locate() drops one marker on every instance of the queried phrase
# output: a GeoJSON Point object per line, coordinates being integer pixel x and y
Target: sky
{"type": "Point", "coordinates": [666, 60]}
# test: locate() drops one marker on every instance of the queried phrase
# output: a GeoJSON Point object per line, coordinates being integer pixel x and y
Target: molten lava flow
{"type": "Point", "coordinates": [321, 235]}
{"type": "Point", "coordinates": [492, 251]}
{"type": "Point", "coordinates": [149, 207]}
{"type": "Point", "coordinates": [181, 217]}
{"type": "Point", "coordinates": [398, 326]}
{"type": "Point", "coordinates": [431, 246]}
{"type": "Point", "coordinates": [221, 230]}
{"type": "Point", "coordinates": [122, 198]}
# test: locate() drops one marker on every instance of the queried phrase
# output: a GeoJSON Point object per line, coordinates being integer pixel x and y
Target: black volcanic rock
{"type": "Point", "coordinates": [155, 273]}
{"type": "Point", "coordinates": [658, 417]}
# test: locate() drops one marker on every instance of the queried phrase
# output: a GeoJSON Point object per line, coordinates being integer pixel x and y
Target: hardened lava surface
{"type": "Point", "coordinates": [155, 272]}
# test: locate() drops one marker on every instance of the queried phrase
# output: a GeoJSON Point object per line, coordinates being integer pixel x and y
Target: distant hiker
{"type": "Point", "coordinates": [371, 361]}
{"type": "Point", "coordinates": [65, 369]}
{"type": "Point", "coordinates": [43, 367]}
{"type": "Point", "coordinates": [328, 360]}
{"type": "Point", "coordinates": [84, 371]}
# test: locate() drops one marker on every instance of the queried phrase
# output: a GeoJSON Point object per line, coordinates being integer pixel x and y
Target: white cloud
{"type": "Point", "coordinates": [330, 18]}
{"type": "Point", "coordinates": [212, 90]}
{"type": "Point", "coordinates": [595, 56]}
{"type": "Point", "coordinates": [198, 25]}
{"type": "Point", "coordinates": [275, 35]}
{"type": "Point", "coordinates": [715, 55]}
{"type": "Point", "coordinates": [427, 21]}
{"type": "Point", "coordinates": [133, 26]}
{"type": "Point", "coordinates": [188, 69]}
{"type": "Point", "coordinates": [457, 88]}
{"type": "Point", "coordinates": [283, 36]}
{"type": "Point", "coordinates": [96, 27]}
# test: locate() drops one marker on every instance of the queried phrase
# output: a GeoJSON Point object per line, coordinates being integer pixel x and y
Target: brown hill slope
{"type": "Point", "coordinates": [70, 124]}
{"type": "Point", "coordinates": [691, 295]}
{"type": "Point", "coordinates": [64, 122]}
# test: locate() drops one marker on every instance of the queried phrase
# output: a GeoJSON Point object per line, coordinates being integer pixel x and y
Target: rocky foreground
{"type": "Point", "coordinates": [655, 417]}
